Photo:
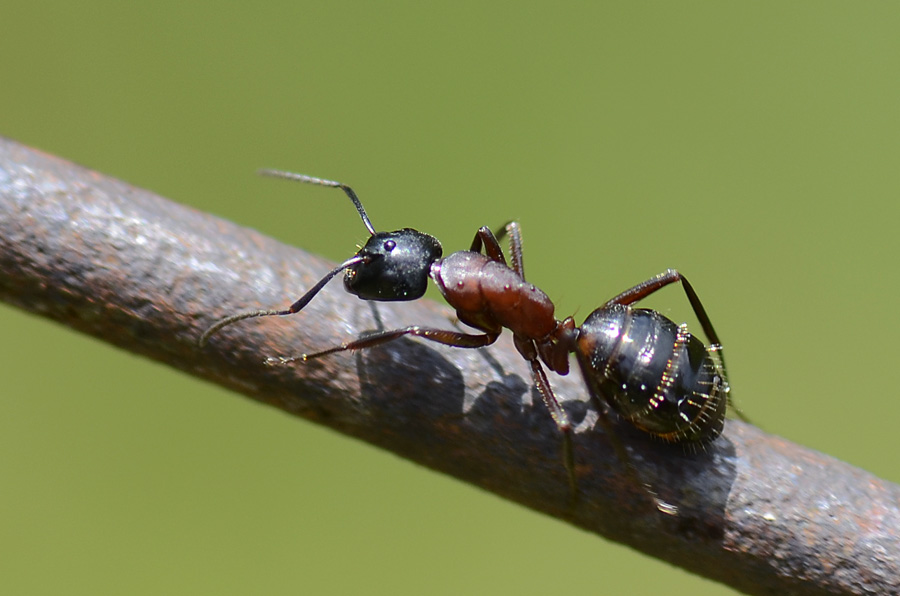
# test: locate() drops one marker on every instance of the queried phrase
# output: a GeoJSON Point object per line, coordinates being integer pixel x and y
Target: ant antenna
{"type": "Point", "coordinates": [323, 182]}
{"type": "Point", "coordinates": [293, 309]}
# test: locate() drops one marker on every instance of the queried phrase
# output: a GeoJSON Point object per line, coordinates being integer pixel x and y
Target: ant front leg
{"type": "Point", "coordinates": [441, 336]}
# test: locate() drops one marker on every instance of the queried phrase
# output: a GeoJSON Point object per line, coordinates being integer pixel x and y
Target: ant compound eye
{"type": "Point", "coordinates": [390, 245]}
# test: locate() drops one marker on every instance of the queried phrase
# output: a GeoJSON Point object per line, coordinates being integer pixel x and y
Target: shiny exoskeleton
{"type": "Point", "coordinates": [654, 373]}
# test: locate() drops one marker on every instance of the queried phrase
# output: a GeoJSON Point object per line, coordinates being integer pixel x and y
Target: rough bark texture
{"type": "Point", "coordinates": [755, 511]}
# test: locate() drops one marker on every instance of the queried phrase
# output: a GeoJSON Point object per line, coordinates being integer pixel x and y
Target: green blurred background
{"type": "Point", "coordinates": [755, 147]}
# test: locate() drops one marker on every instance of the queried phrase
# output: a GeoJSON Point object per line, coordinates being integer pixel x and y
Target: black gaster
{"type": "Point", "coordinates": [662, 380]}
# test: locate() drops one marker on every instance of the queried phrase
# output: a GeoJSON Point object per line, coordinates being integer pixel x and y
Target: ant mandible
{"type": "Point", "coordinates": [652, 372]}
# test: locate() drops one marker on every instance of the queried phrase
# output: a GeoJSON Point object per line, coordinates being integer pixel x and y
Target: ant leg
{"type": "Point", "coordinates": [494, 251]}
{"type": "Point", "coordinates": [515, 246]}
{"type": "Point", "coordinates": [630, 469]}
{"type": "Point", "coordinates": [484, 236]}
{"type": "Point", "coordinates": [560, 418]}
{"type": "Point", "coordinates": [441, 336]}
{"type": "Point", "coordinates": [529, 352]}
{"type": "Point", "coordinates": [644, 289]}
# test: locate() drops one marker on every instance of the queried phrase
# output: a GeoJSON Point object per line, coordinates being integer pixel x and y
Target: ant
{"type": "Point", "coordinates": [652, 372]}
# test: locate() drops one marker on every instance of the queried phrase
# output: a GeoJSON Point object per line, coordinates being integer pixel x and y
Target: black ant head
{"type": "Point", "coordinates": [393, 266]}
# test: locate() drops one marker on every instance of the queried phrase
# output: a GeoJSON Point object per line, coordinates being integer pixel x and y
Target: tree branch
{"type": "Point", "coordinates": [756, 512]}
